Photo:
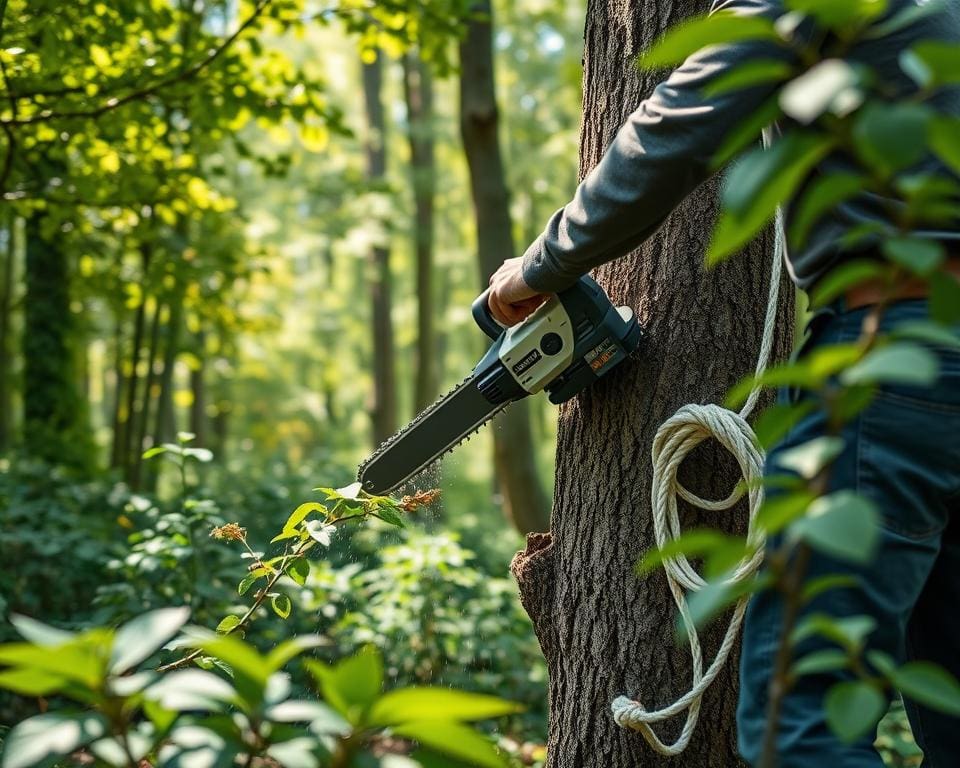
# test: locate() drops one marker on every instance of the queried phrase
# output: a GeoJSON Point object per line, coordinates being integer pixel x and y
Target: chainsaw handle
{"type": "Point", "coordinates": [484, 318]}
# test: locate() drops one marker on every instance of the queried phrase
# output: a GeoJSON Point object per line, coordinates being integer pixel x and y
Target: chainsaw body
{"type": "Point", "coordinates": [570, 341]}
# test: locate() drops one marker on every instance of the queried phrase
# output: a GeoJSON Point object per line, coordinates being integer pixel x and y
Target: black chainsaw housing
{"type": "Point", "coordinates": [602, 339]}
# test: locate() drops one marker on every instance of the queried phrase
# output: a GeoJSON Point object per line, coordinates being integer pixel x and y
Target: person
{"type": "Point", "coordinates": [903, 451]}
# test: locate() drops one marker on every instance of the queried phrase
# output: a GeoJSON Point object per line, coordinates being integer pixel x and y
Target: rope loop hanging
{"type": "Point", "coordinates": [677, 437]}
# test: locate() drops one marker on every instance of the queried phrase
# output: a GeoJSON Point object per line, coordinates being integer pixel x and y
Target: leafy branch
{"type": "Point", "coordinates": [149, 90]}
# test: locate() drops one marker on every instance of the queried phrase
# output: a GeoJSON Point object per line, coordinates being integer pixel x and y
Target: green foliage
{"type": "Point", "coordinates": [827, 104]}
{"type": "Point", "coordinates": [132, 714]}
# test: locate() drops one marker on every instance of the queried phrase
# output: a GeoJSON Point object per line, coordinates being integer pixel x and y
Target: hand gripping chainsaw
{"type": "Point", "coordinates": [570, 341]}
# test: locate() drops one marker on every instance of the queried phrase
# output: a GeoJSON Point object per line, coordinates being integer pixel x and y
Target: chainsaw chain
{"type": "Point", "coordinates": [410, 425]}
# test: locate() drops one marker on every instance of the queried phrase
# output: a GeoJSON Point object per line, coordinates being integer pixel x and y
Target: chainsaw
{"type": "Point", "coordinates": [570, 341]}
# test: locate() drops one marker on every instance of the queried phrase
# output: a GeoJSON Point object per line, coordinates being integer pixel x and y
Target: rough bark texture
{"type": "Point", "coordinates": [525, 502]}
{"type": "Point", "coordinates": [384, 410]}
{"type": "Point", "coordinates": [418, 93]}
{"type": "Point", "coordinates": [604, 631]}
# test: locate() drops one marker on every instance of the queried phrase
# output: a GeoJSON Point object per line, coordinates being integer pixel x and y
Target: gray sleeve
{"type": "Point", "coordinates": [662, 152]}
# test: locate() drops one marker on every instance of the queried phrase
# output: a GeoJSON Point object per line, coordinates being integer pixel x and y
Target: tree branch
{"type": "Point", "coordinates": [147, 91]}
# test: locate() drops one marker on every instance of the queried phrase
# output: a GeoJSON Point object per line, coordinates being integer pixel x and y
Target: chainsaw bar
{"type": "Point", "coordinates": [437, 430]}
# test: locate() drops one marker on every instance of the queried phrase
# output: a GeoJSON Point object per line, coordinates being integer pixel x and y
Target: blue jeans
{"type": "Point", "coordinates": [903, 452]}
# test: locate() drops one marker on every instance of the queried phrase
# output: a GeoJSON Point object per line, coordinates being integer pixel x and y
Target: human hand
{"type": "Point", "coordinates": [511, 299]}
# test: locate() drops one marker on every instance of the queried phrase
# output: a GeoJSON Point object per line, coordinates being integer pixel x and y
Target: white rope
{"type": "Point", "coordinates": [676, 438]}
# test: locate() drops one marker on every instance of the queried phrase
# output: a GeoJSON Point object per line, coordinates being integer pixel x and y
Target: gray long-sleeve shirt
{"type": "Point", "coordinates": [665, 148]}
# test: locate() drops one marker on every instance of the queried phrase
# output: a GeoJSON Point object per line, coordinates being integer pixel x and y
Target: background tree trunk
{"type": "Point", "coordinates": [525, 502]}
{"type": "Point", "coordinates": [604, 631]}
{"type": "Point", "coordinates": [54, 423]}
{"type": "Point", "coordinates": [7, 276]}
{"type": "Point", "coordinates": [418, 93]}
{"type": "Point", "coordinates": [384, 410]}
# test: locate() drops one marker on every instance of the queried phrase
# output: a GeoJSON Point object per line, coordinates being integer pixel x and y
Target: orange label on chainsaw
{"type": "Point", "coordinates": [603, 355]}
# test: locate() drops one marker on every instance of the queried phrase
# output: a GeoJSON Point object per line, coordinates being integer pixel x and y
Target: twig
{"type": "Point", "coordinates": [147, 91]}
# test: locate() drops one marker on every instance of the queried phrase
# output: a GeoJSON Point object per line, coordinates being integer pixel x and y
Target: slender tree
{"type": "Point", "coordinates": [418, 94]}
{"type": "Point", "coordinates": [604, 631]}
{"type": "Point", "coordinates": [54, 423]}
{"type": "Point", "coordinates": [384, 410]}
{"type": "Point", "coordinates": [525, 502]}
{"type": "Point", "coordinates": [8, 272]}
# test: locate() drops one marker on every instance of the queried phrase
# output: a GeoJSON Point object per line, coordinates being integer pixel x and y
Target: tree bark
{"type": "Point", "coordinates": [54, 423]}
{"type": "Point", "coordinates": [603, 630]}
{"type": "Point", "coordinates": [525, 502]}
{"type": "Point", "coordinates": [384, 410]}
{"type": "Point", "coordinates": [418, 93]}
{"type": "Point", "coordinates": [6, 348]}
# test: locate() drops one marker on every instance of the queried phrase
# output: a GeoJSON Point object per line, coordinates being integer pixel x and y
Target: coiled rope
{"type": "Point", "coordinates": [676, 438]}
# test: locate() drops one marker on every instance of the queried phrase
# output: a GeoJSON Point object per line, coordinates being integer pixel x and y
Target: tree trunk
{"type": "Point", "coordinates": [54, 426]}
{"type": "Point", "coordinates": [128, 426]}
{"type": "Point", "coordinates": [384, 410]}
{"type": "Point", "coordinates": [6, 348]}
{"type": "Point", "coordinates": [525, 502]}
{"type": "Point", "coordinates": [603, 630]}
{"type": "Point", "coordinates": [198, 405]}
{"type": "Point", "coordinates": [418, 92]}
{"type": "Point", "coordinates": [149, 386]}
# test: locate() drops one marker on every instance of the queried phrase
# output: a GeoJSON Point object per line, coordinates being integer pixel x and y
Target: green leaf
{"type": "Point", "coordinates": [100, 56]}
{"type": "Point", "coordinates": [808, 459]}
{"type": "Point", "coordinates": [248, 667]}
{"type": "Point", "coordinates": [849, 632]}
{"type": "Point", "coordinates": [352, 685]}
{"type": "Point", "coordinates": [203, 455]}
{"type": "Point", "coordinates": [298, 516]}
{"type": "Point", "coordinates": [31, 682]}
{"type": "Point", "coordinates": [905, 18]}
{"type": "Point", "coordinates": [248, 581]}
{"type": "Point", "coordinates": [945, 299]}
{"type": "Point", "coordinates": [228, 623]}
{"type": "Point", "coordinates": [695, 543]}
{"type": "Point", "coordinates": [897, 363]}
{"type": "Point", "coordinates": [390, 515]}
{"type": "Point", "coordinates": [155, 451]}
{"type": "Point", "coordinates": [823, 195]}
{"type": "Point", "coordinates": [779, 511]}
{"type": "Point", "coordinates": [40, 738]}
{"type": "Point", "coordinates": [839, 16]}
{"type": "Point", "coordinates": [830, 85]}
{"type": "Point", "coordinates": [891, 137]}
{"type": "Point", "coordinates": [757, 184]}
{"type": "Point", "coordinates": [822, 584]}
{"type": "Point", "coordinates": [298, 570]}
{"type": "Point", "coordinates": [748, 74]}
{"type": "Point", "coordinates": [39, 633]}
{"type": "Point", "coordinates": [77, 661]}
{"type": "Point", "coordinates": [941, 61]}
{"type": "Point", "coordinates": [322, 717]}
{"type": "Point", "coordinates": [290, 649]}
{"type": "Point", "coordinates": [927, 333]}
{"type": "Point", "coordinates": [690, 36]}
{"type": "Point", "coordinates": [828, 660]}
{"type": "Point", "coordinates": [843, 277]}
{"type": "Point", "coordinates": [191, 689]}
{"type": "Point", "coordinates": [281, 606]}
{"type": "Point", "coordinates": [842, 525]}
{"type": "Point", "coordinates": [747, 132]}
{"type": "Point", "coordinates": [942, 134]}
{"type": "Point", "coordinates": [141, 637]}
{"type": "Point", "coordinates": [455, 740]}
{"type": "Point", "coordinates": [417, 703]}
{"type": "Point", "coordinates": [921, 256]}
{"type": "Point", "coordinates": [853, 709]}
{"type": "Point", "coordinates": [929, 685]}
